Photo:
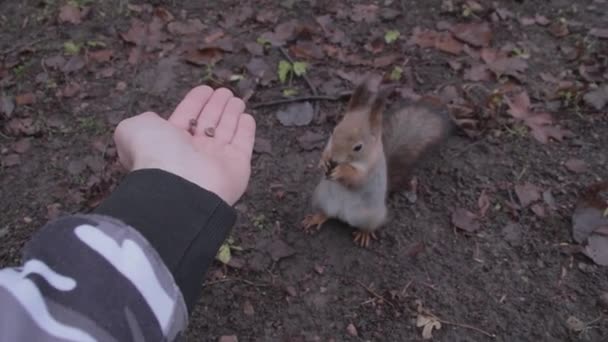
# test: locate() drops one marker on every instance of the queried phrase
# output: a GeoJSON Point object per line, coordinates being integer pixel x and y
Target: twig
{"type": "Point", "coordinates": [313, 89]}
{"type": "Point", "coordinates": [21, 46]}
{"type": "Point", "coordinates": [376, 295]}
{"type": "Point", "coordinates": [233, 279]}
{"type": "Point", "coordinates": [466, 326]}
{"type": "Point", "coordinates": [302, 98]}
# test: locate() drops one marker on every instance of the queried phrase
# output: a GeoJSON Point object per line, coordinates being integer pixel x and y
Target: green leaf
{"type": "Point", "coordinates": [396, 74]}
{"type": "Point", "coordinates": [299, 68]}
{"type": "Point", "coordinates": [223, 254]}
{"type": "Point", "coordinates": [236, 77]}
{"type": "Point", "coordinates": [284, 70]}
{"type": "Point", "coordinates": [71, 48]}
{"type": "Point", "coordinates": [263, 41]}
{"type": "Point", "coordinates": [95, 43]}
{"type": "Point", "coordinates": [290, 92]}
{"type": "Point", "coordinates": [391, 36]}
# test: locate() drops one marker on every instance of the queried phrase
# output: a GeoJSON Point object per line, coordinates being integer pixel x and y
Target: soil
{"type": "Point", "coordinates": [517, 278]}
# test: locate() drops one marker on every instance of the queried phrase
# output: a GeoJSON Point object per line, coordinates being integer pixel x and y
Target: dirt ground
{"type": "Point", "coordinates": [514, 274]}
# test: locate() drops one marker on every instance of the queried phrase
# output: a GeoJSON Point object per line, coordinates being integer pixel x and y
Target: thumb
{"type": "Point", "coordinates": [127, 133]}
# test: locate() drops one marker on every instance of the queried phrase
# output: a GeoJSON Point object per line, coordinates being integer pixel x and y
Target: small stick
{"type": "Point", "coordinates": [302, 98]}
{"type": "Point", "coordinates": [233, 279]}
{"type": "Point", "coordinates": [313, 89]}
{"type": "Point", "coordinates": [466, 326]}
{"type": "Point", "coordinates": [376, 295]}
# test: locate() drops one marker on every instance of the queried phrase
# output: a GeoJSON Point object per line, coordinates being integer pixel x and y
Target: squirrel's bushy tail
{"type": "Point", "coordinates": [411, 133]}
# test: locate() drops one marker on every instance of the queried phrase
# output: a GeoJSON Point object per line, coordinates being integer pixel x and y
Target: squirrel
{"type": "Point", "coordinates": [370, 155]}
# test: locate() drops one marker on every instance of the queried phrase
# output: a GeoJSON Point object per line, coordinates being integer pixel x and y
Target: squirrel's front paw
{"type": "Point", "coordinates": [337, 174]}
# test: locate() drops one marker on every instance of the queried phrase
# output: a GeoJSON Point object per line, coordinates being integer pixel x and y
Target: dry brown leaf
{"type": "Point", "coordinates": [445, 42]}
{"type": "Point", "coordinates": [465, 220]}
{"type": "Point", "coordinates": [527, 193]}
{"type": "Point", "coordinates": [476, 34]}
{"type": "Point", "coordinates": [204, 56]}
{"type": "Point", "coordinates": [70, 14]}
{"type": "Point", "coordinates": [25, 99]}
{"type": "Point", "coordinates": [188, 27]}
{"type": "Point", "coordinates": [600, 33]}
{"type": "Point", "coordinates": [559, 29]}
{"type": "Point", "coordinates": [483, 203]}
{"type": "Point", "coordinates": [576, 165]}
{"type": "Point", "coordinates": [101, 56]}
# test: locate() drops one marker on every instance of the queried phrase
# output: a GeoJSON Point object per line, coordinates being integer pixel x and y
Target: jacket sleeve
{"type": "Point", "coordinates": [132, 270]}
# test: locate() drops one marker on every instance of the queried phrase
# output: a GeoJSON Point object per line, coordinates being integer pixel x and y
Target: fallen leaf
{"type": "Point", "coordinates": [428, 324]}
{"type": "Point", "coordinates": [296, 114]}
{"type": "Point", "coordinates": [575, 324]}
{"type": "Point", "coordinates": [224, 254]}
{"type": "Point", "coordinates": [299, 68]}
{"type": "Point", "coordinates": [283, 70]}
{"type": "Point", "coordinates": [101, 56]}
{"type": "Point", "coordinates": [446, 43]}
{"type": "Point", "coordinates": [311, 141]}
{"type": "Point", "coordinates": [204, 56]}
{"type": "Point", "coordinates": [476, 34]}
{"type": "Point", "coordinates": [74, 64]}
{"type": "Point", "coordinates": [352, 330]}
{"type": "Point", "coordinates": [395, 74]}
{"type": "Point", "coordinates": [597, 98]}
{"type": "Point", "coordinates": [306, 49]}
{"type": "Point", "coordinates": [527, 21]}
{"type": "Point", "coordinates": [465, 220]}
{"type": "Point", "coordinates": [163, 14]}
{"type": "Point", "coordinates": [7, 106]}
{"type": "Point", "coordinates": [483, 202]}
{"type": "Point", "coordinates": [539, 210]}
{"type": "Point", "coordinates": [384, 61]}
{"type": "Point", "coordinates": [549, 200]}
{"type": "Point", "coordinates": [22, 145]}
{"type": "Point", "coordinates": [25, 99]}
{"type": "Point", "coordinates": [11, 160]}
{"type": "Point", "coordinates": [576, 165]}
{"type": "Point", "coordinates": [478, 73]}
{"type": "Point", "coordinates": [600, 33]}
{"type": "Point", "coordinates": [248, 309]}
{"type": "Point", "coordinates": [559, 29]}
{"type": "Point", "coordinates": [391, 36]}
{"type": "Point", "coordinates": [278, 249]}
{"type": "Point", "coordinates": [254, 48]}
{"type": "Point", "coordinates": [527, 193]}
{"type": "Point", "coordinates": [70, 89]}
{"type": "Point", "coordinates": [55, 62]}
{"type": "Point", "coordinates": [189, 27]}
{"type": "Point", "coordinates": [291, 291]}
{"type": "Point", "coordinates": [258, 68]}
{"type": "Point", "coordinates": [364, 13]}
{"type": "Point", "coordinates": [262, 145]}
{"type": "Point", "coordinates": [228, 338]}
{"type": "Point", "coordinates": [597, 248]}
{"type": "Point", "coordinates": [22, 126]}
{"type": "Point", "coordinates": [70, 14]}
{"type": "Point", "coordinates": [282, 33]}
{"type": "Point", "coordinates": [136, 33]}
{"type": "Point", "coordinates": [424, 38]}
{"type": "Point", "coordinates": [543, 129]}
{"type": "Point", "coordinates": [541, 20]}
{"type": "Point", "coordinates": [512, 233]}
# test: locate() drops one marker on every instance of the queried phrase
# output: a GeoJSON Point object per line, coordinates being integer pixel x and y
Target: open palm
{"type": "Point", "coordinates": [220, 163]}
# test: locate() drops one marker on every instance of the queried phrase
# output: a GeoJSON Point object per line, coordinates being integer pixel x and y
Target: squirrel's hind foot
{"type": "Point", "coordinates": [362, 239]}
{"type": "Point", "coordinates": [312, 223]}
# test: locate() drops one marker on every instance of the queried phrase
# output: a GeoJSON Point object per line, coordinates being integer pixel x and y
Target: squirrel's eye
{"type": "Point", "coordinates": [357, 147]}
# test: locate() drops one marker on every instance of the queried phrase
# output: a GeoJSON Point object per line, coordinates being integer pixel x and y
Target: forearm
{"type": "Point", "coordinates": [185, 224]}
{"type": "Point", "coordinates": [131, 268]}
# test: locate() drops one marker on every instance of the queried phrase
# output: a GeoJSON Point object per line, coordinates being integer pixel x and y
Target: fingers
{"type": "Point", "coordinates": [191, 106]}
{"type": "Point", "coordinates": [229, 120]}
{"type": "Point", "coordinates": [213, 110]}
{"type": "Point", "coordinates": [245, 134]}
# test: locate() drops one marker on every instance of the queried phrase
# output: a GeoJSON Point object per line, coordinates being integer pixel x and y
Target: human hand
{"type": "Point", "coordinates": [220, 164]}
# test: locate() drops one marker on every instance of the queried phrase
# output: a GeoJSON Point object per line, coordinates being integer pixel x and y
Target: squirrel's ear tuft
{"type": "Point", "coordinates": [376, 111]}
{"type": "Point", "coordinates": [366, 93]}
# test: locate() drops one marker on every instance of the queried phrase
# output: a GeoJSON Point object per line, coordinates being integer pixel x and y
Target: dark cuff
{"type": "Point", "coordinates": [185, 223]}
